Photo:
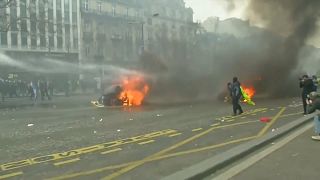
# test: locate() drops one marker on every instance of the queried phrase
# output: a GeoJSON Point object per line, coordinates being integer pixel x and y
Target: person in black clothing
{"type": "Point", "coordinates": [307, 86]}
{"type": "Point", "coordinates": [236, 95]}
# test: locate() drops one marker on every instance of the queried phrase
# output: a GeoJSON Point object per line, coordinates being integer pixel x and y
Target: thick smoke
{"type": "Point", "coordinates": [230, 5]}
{"type": "Point", "coordinates": [202, 68]}
{"type": "Point", "coordinates": [296, 21]}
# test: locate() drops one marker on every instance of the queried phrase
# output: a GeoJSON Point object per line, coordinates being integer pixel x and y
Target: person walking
{"type": "Point", "coordinates": [236, 95]}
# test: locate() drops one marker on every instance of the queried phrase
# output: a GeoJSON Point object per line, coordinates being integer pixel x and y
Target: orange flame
{"type": "Point", "coordinates": [250, 91]}
{"type": "Point", "coordinates": [134, 90]}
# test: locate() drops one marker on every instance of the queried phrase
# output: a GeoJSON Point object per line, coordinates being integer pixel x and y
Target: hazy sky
{"type": "Point", "coordinates": [206, 8]}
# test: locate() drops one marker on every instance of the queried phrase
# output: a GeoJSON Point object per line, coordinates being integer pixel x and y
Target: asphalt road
{"type": "Point", "coordinates": [70, 139]}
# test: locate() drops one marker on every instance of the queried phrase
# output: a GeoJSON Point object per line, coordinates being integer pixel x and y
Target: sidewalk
{"type": "Point", "coordinates": [288, 153]}
{"type": "Point", "coordinates": [295, 160]}
{"type": "Point", "coordinates": [73, 100]}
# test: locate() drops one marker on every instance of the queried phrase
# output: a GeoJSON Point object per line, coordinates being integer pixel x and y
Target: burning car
{"type": "Point", "coordinates": [131, 91]}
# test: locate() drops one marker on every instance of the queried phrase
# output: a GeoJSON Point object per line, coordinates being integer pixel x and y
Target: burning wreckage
{"type": "Point", "coordinates": [131, 91]}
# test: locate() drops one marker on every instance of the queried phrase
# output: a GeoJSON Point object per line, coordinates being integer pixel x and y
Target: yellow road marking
{"type": "Point", "coordinates": [174, 135]}
{"type": "Point", "coordinates": [66, 162]}
{"type": "Point", "coordinates": [216, 124]}
{"type": "Point", "coordinates": [196, 150]}
{"type": "Point", "coordinates": [141, 162]}
{"type": "Point", "coordinates": [11, 175]}
{"type": "Point", "coordinates": [293, 114]}
{"type": "Point", "coordinates": [254, 111]}
{"type": "Point", "coordinates": [114, 167]}
{"type": "Point", "coordinates": [111, 151]}
{"type": "Point", "coordinates": [265, 129]}
{"type": "Point", "coordinates": [207, 147]}
{"type": "Point", "coordinates": [85, 150]}
{"type": "Point", "coordinates": [230, 120]}
{"type": "Point", "coordinates": [146, 142]}
{"type": "Point", "coordinates": [195, 130]}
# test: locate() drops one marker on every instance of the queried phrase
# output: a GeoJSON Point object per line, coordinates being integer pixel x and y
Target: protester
{"type": "Point", "coordinates": [236, 95]}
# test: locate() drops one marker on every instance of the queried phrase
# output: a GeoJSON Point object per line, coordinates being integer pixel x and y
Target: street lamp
{"type": "Point", "coordinates": [142, 30]}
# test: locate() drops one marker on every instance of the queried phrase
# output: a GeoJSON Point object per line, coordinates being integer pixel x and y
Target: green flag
{"type": "Point", "coordinates": [246, 97]}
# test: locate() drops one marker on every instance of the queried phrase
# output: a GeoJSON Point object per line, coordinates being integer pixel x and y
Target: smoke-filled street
{"type": "Point", "coordinates": [156, 89]}
{"type": "Point", "coordinates": [70, 138]}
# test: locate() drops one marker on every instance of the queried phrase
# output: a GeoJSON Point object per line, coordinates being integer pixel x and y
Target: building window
{"type": "Point", "coordinates": [74, 18]}
{"type": "Point", "coordinates": [24, 39]}
{"type": "Point", "coordinates": [23, 8]}
{"type": "Point", "coordinates": [43, 41]}
{"type": "Point", "coordinates": [3, 37]}
{"type": "Point", "coordinates": [23, 25]}
{"type": "Point", "coordinates": [51, 41]}
{"type": "Point", "coordinates": [14, 39]}
{"type": "Point", "coordinates": [66, 5]}
{"type": "Point", "coordinates": [74, 5]}
{"type": "Point", "coordinates": [58, 4]}
{"type": "Point", "coordinates": [33, 41]}
{"type": "Point", "coordinates": [86, 5]}
{"type": "Point", "coordinates": [87, 51]}
{"type": "Point", "coordinates": [59, 42]}
{"type": "Point", "coordinates": [99, 6]}
{"type": "Point", "coordinates": [75, 43]}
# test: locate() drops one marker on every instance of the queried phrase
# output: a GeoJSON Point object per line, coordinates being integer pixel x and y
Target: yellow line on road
{"type": "Point", "coordinates": [111, 151]}
{"type": "Point", "coordinates": [11, 175]}
{"type": "Point", "coordinates": [174, 135]}
{"type": "Point", "coordinates": [230, 120]}
{"type": "Point", "coordinates": [195, 130]}
{"type": "Point", "coordinates": [214, 125]}
{"type": "Point", "coordinates": [143, 161]}
{"type": "Point", "coordinates": [146, 142]}
{"type": "Point", "coordinates": [206, 148]}
{"type": "Point", "coordinates": [191, 151]}
{"type": "Point", "coordinates": [293, 114]}
{"type": "Point", "coordinates": [265, 129]}
{"type": "Point", "coordinates": [66, 162]}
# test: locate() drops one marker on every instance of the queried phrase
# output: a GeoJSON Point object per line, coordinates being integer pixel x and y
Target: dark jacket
{"type": "Point", "coordinates": [236, 91]}
{"type": "Point", "coordinates": [307, 86]}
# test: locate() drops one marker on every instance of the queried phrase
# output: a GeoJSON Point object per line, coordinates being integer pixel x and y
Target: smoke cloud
{"type": "Point", "coordinates": [295, 21]}
{"type": "Point", "coordinates": [203, 68]}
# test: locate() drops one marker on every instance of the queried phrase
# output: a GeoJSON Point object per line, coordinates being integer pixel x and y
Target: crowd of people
{"type": "Point", "coordinates": [18, 88]}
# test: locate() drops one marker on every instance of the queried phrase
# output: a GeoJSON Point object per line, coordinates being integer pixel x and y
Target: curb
{"type": "Point", "coordinates": [210, 166]}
